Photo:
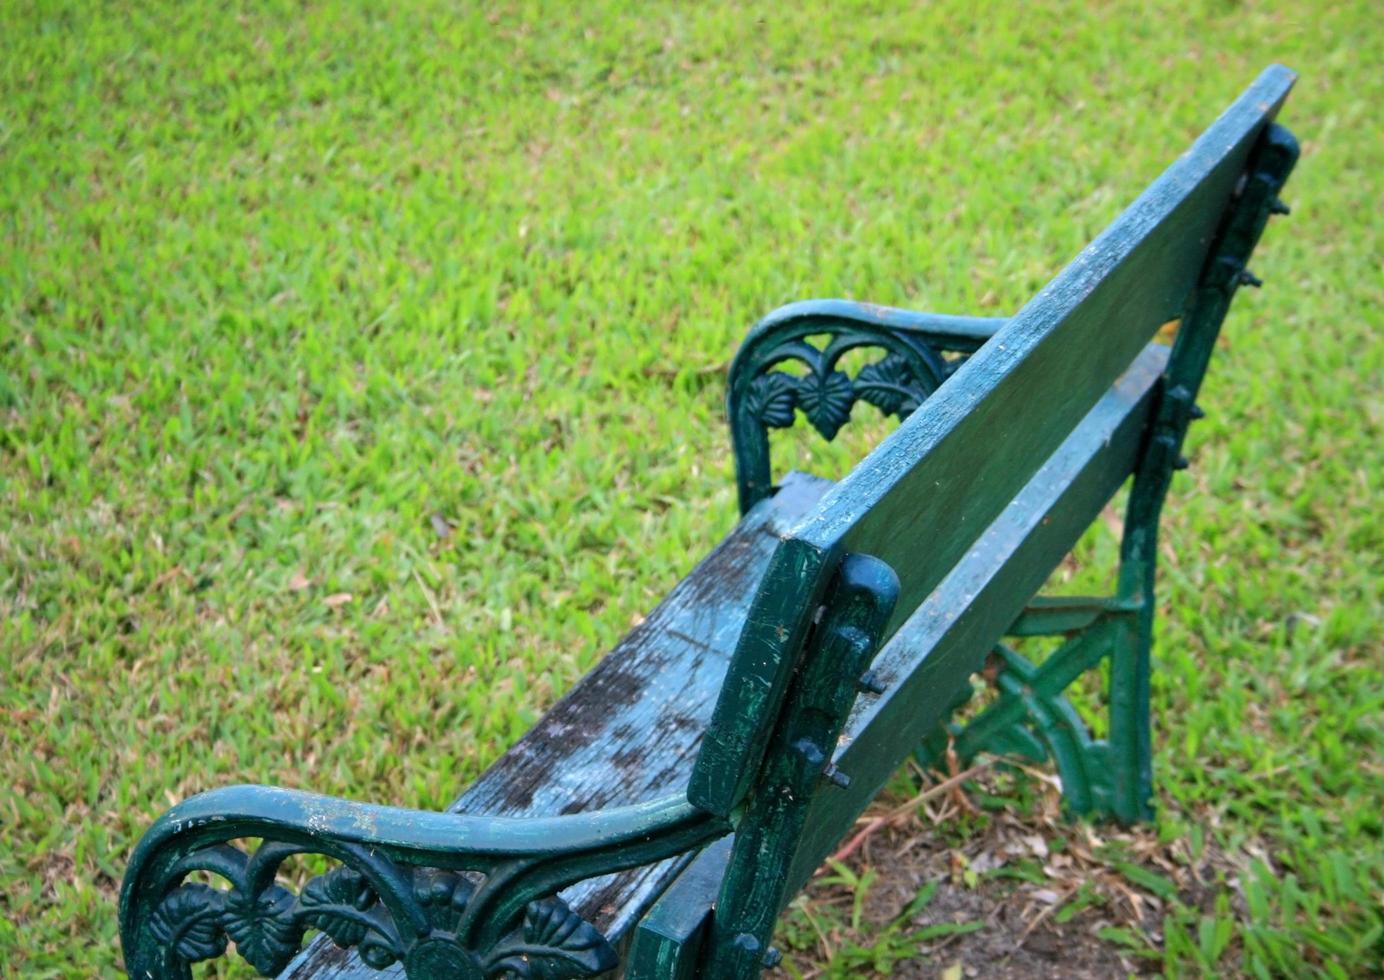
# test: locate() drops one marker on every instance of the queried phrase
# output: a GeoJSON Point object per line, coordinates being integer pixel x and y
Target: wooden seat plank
{"type": "Point", "coordinates": [629, 730]}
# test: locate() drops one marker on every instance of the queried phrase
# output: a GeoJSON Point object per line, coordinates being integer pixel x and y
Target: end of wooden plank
{"type": "Point", "coordinates": [755, 684]}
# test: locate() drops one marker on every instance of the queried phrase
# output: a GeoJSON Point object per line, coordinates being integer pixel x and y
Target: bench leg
{"type": "Point", "coordinates": [1131, 738]}
{"type": "Point", "coordinates": [1031, 717]}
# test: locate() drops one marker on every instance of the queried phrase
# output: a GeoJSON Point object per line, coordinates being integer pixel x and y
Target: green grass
{"type": "Point", "coordinates": [280, 283]}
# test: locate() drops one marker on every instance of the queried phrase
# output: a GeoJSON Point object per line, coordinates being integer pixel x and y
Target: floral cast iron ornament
{"type": "Point", "coordinates": [815, 336]}
{"type": "Point", "coordinates": [447, 896]}
{"type": "Point", "coordinates": [553, 942]}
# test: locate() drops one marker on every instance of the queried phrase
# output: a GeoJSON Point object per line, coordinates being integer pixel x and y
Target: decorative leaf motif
{"type": "Point", "coordinates": [771, 399]}
{"type": "Point", "coordinates": [189, 921]}
{"type": "Point", "coordinates": [558, 945]}
{"type": "Point", "coordinates": [826, 399]}
{"type": "Point", "coordinates": [195, 922]}
{"type": "Point", "coordinates": [331, 902]}
{"type": "Point", "coordinates": [443, 896]}
{"type": "Point", "coordinates": [890, 386]}
{"type": "Point", "coordinates": [263, 927]}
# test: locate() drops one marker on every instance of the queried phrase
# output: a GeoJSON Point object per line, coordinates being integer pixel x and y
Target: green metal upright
{"type": "Point", "coordinates": [857, 606]}
{"type": "Point", "coordinates": [1031, 716]}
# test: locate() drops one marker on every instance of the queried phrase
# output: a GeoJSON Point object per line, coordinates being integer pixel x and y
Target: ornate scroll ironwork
{"type": "Point", "coordinates": [896, 385]}
{"type": "Point", "coordinates": [762, 398]}
{"type": "Point", "coordinates": [449, 896]}
{"type": "Point", "coordinates": [1031, 717]}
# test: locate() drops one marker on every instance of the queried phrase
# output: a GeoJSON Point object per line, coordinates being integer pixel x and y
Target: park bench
{"type": "Point", "coordinates": [659, 818]}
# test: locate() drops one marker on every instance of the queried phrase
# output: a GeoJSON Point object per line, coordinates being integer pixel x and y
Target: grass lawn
{"type": "Point", "coordinates": [361, 376]}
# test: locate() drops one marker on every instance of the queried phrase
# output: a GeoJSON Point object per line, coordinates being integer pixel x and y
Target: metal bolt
{"type": "Point", "coordinates": [747, 942]}
{"type": "Point", "coordinates": [772, 957]}
{"type": "Point", "coordinates": [1248, 278]}
{"type": "Point", "coordinates": [836, 777]}
{"type": "Point", "coordinates": [1276, 206]}
{"type": "Point", "coordinates": [1197, 412]}
{"type": "Point", "coordinates": [1181, 463]}
{"type": "Point", "coordinates": [871, 683]}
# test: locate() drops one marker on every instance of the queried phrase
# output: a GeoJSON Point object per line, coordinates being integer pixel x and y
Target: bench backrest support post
{"type": "Point", "coordinates": [1224, 273]}
{"type": "Point", "coordinates": [840, 647]}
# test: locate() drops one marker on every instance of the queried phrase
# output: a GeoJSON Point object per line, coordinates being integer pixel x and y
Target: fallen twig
{"type": "Point", "coordinates": [874, 824]}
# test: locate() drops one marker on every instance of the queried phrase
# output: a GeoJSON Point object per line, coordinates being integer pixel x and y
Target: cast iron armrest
{"type": "Point", "coordinates": [407, 887]}
{"type": "Point", "coordinates": [760, 398]}
{"type": "Point", "coordinates": [943, 331]}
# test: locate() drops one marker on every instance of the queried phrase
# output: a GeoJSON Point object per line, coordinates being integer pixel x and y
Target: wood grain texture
{"type": "Point", "coordinates": [628, 731]}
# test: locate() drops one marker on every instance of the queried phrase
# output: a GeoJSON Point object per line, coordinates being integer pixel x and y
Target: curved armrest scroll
{"type": "Point", "coordinates": [759, 398]}
{"type": "Point", "coordinates": [408, 886]}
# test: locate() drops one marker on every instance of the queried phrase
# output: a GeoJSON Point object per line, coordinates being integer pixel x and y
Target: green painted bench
{"type": "Point", "coordinates": [661, 815]}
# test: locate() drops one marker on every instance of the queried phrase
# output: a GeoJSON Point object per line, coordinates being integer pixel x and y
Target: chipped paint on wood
{"type": "Point", "coordinates": [629, 730]}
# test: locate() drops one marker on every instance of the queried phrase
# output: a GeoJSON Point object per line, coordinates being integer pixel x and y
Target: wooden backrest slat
{"type": "Point", "coordinates": [923, 496]}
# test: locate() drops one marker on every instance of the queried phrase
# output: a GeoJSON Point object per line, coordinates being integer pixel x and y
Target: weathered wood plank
{"type": "Point", "coordinates": [599, 722]}
{"type": "Point", "coordinates": [948, 636]}
{"type": "Point", "coordinates": [944, 641]}
{"type": "Point", "coordinates": [919, 500]}
{"type": "Point", "coordinates": [628, 731]}
{"type": "Point", "coordinates": [669, 938]}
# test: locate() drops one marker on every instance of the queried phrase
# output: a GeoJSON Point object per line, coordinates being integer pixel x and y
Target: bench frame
{"type": "Point", "coordinates": [460, 897]}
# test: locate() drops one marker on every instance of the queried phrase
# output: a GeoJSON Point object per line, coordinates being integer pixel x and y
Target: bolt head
{"type": "Point", "coordinates": [871, 683]}
{"type": "Point", "coordinates": [836, 777]}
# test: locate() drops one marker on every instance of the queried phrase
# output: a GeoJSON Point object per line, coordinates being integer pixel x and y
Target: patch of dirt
{"type": "Point", "coordinates": [1018, 935]}
{"type": "Point", "coordinates": [1042, 896]}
